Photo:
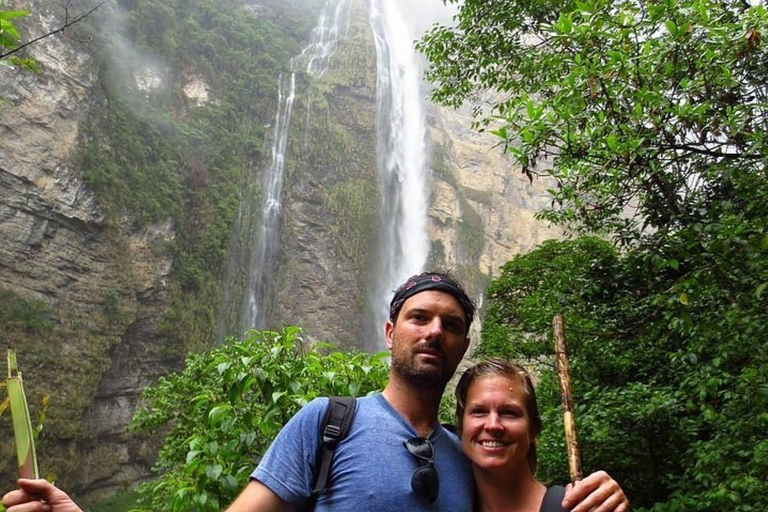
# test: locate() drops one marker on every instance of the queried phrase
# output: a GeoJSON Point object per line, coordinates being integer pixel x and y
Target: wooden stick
{"type": "Point", "coordinates": [564, 375]}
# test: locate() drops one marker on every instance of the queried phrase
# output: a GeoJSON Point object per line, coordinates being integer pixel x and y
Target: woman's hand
{"type": "Point", "coordinates": [596, 493]}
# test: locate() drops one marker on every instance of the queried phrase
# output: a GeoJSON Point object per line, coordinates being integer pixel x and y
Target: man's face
{"type": "Point", "coordinates": [428, 339]}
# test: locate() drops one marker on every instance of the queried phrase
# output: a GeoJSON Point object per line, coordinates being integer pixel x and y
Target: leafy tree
{"type": "Point", "coordinates": [228, 404]}
{"type": "Point", "coordinates": [669, 364]}
{"type": "Point", "coordinates": [651, 119]}
{"type": "Point", "coordinates": [658, 107]}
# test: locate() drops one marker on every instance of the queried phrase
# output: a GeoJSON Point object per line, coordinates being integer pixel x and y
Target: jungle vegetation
{"type": "Point", "coordinates": [650, 119]}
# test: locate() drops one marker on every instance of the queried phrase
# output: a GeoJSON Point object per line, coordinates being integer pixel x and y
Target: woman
{"type": "Point", "coordinates": [499, 423]}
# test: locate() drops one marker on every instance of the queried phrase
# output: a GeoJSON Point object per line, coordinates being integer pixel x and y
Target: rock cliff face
{"type": "Point", "coordinates": [482, 207]}
{"type": "Point", "coordinates": [100, 287]}
{"type": "Point", "coordinates": [331, 196]}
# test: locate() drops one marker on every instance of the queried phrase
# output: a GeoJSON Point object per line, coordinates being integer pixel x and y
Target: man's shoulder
{"type": "Point", "coordinates": [317, 406]}
{"type": "Point", "coordinates": [312, 409]}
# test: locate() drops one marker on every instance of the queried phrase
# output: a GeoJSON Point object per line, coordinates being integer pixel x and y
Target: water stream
{"type": "Point", "coordinates": [404, 244]}
{"type": "Point", "coordinates": [267, 248]}
{"type": "Point", "coordinates": [332, 24]}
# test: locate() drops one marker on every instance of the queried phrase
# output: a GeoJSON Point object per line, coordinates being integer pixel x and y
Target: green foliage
{"type": "Point", "coordinates": [447, 412]}
{"type": "Point", "coordinates": [471, 233]}
{"type": "Point", "coordinates": [228, 404]}
{"type": "Point", "coordinates": [18, 315]}
{"type": "Point", "coordinates": [131, 165]}
{"type": "Point", "coordinates": [9, 34]}
{"type": "Point", "coordinates": [650, 106]}
{"type": "Point", "coordinates": [351, 204]}
{"type": "Point", "coordinates": [532, 287]}
{"type": "Point", "coordinates": [123, 501]}
{"type": "Point", "coordinates": [651, 116]}
{"type": "Point", "coordinates": [10, 39]}
{"type": "Point", "coordinates": [668, 356]}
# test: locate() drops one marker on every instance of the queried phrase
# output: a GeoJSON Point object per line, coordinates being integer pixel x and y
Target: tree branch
{"type": "Point", "coordinates": [709, 152]}
{"type": "Point", "coordinates": [67, 23]}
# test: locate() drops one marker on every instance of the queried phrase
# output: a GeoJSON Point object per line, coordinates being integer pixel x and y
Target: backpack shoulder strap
{"type": "Point", "coordinates": [333, 428]}
{"type": "Point", "coordinates": [552, 499]}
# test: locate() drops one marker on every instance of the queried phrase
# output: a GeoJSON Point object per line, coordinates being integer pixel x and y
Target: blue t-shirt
{"type": "Point", "coordinates": [371, 468]}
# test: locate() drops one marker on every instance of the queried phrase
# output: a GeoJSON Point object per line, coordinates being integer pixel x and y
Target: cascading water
{"type": "Point", "coordinates": [404, 244]}
{"type": "Point", "coordinates": [331, 27]}
{"type": "Point", "coordinates": [332, 24]}
{"type": "Point", "coordinates": [265, 254]}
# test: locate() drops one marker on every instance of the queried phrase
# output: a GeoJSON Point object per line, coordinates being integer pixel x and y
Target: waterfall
{"type": "Point", "coordinates": [332, 24]}
{"type": "Point", "coordinates": [404, 245]}
{"type": "Point", "coordinates": [265, 254]}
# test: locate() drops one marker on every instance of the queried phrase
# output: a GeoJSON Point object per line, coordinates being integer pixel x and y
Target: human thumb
{"type": "Point", "coordinates": [52, 495]}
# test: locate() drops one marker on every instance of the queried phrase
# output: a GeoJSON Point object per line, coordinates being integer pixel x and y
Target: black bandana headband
{"type": "Point", "coordinates": [429, 281]}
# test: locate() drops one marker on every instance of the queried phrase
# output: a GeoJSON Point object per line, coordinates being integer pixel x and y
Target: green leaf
{"type": "Point", "coordinates": [230, 483]}
{"type": "Point", "coordinates": [217, 413]}
{"type": "Point", "coordinates": [192, 454]}
{"type": "Point", "coordinates": [213, 472]}
{"type": "Point", "coordinates": [671, 27]}
{"type": "Point", "coordinates": [501, 132]}
{"type": "Point", "coordinates": [8, 34]}
{"type": "Point", "coordinates": [9, 15]}
{"type": "Point", "coordinates": [22, 424]}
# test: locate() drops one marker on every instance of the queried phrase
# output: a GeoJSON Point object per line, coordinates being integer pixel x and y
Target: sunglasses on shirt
{"type": "Point", "coordinates": [425, 482]}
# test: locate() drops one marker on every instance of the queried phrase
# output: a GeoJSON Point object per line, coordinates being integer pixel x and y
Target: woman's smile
{"type": "Point", "coordinates": [496, 428]}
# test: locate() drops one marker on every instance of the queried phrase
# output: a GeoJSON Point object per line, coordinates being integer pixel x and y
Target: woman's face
{"type": "Point", "coordinates": [496, 429]}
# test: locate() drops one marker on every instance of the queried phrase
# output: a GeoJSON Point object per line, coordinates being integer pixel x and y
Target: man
{"type": "Point", "coordinates": [396, 456]}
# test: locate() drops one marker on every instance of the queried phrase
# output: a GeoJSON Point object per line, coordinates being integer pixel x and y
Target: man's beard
{"type": "Point", "coordinates": [433, 381]}
{"type": "Point", "coordinates": [427, 377]}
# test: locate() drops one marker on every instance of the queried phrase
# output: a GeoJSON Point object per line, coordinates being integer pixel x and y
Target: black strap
{"type": "Point", "coordinates": [553, 499]}
{"type": "Point", "coordinates": [333, 428]}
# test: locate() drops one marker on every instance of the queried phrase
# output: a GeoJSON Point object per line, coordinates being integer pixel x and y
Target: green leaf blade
{"type": "Point", "coordinates": [22, 424]}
